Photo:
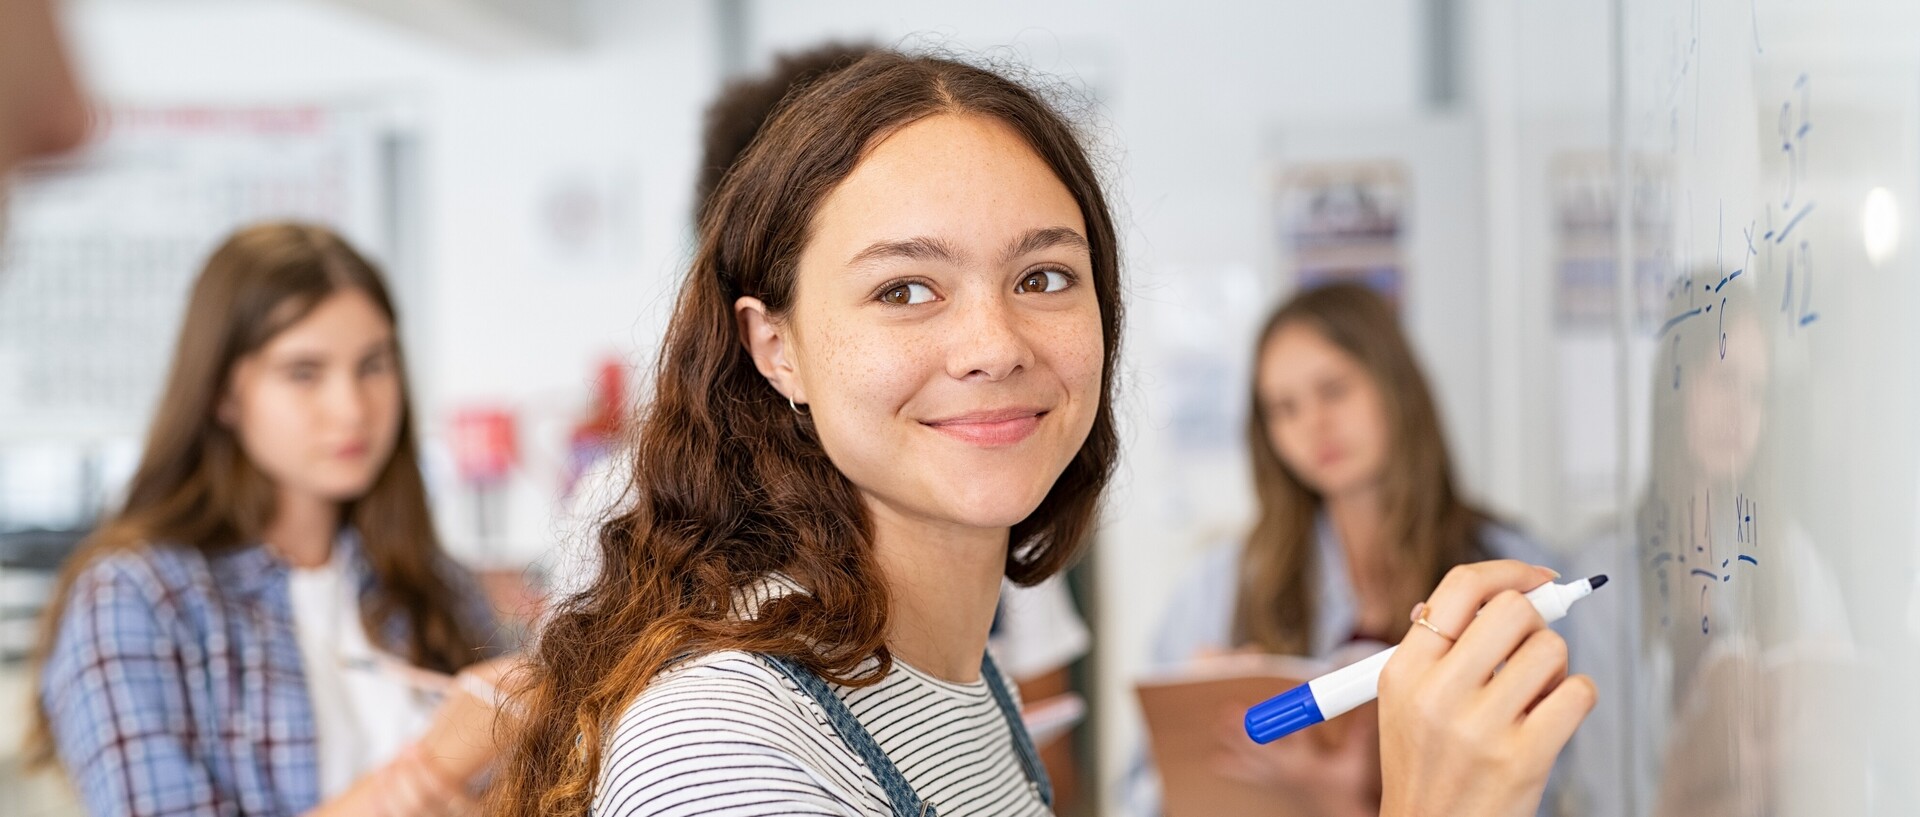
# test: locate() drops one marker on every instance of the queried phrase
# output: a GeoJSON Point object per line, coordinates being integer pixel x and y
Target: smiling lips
{"type": "Point", "coordinates": [990, 429]}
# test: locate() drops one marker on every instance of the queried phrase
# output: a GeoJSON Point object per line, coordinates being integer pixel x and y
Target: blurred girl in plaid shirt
{"type": "Point", "coordinates": [269, 626]}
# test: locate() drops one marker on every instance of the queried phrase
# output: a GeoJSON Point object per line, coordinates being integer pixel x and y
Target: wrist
{"type": "Point", "coordinates": [438, 769]}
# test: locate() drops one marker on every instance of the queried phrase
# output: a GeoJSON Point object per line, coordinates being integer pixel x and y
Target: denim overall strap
{"type": "Point", "coordinates": [899, 792]}
{"type": "Point", "coordinates": [1022, 742]}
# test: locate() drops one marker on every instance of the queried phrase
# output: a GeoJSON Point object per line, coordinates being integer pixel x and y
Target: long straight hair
{"type": "Point", "coordinates": [195, 486]}
{"type": "Point", "coordinates": [729, 483]}
{"type": "Point", "coordinates": [1428, 529]}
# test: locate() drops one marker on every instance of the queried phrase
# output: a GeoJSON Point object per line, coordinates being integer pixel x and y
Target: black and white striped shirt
{"type": "Point", "coordinates": [727, 734]}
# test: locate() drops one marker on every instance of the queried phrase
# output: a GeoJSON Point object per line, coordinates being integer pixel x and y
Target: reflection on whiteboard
{"type": "Point", "coordinates": [1585, 216]}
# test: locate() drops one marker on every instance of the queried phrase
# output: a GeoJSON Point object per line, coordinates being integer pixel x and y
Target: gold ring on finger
{"type": "Point", "coordinates": [1422, 621]}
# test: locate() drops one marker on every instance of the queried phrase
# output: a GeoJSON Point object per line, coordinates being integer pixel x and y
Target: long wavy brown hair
{"type": "Point", "coordinates": [1428, 529]}
{"type": "Point", "coordinates": [195, 487]}
{"type": "Point", "coordinates": [729, 483]}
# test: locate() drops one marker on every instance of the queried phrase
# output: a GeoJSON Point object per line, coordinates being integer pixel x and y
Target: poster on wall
{"type": "Point", "coordinates": [1582, 188]}
{"type": "Point", "coordinates": [585, 220]}
{"type": "Point", "coordinates": [1346, 221]}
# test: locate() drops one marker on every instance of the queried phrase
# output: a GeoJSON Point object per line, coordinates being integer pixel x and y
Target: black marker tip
{"type": "Point", "coordinates": [1596, 582]}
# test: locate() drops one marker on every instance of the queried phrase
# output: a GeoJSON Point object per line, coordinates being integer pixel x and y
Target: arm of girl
{"type": "Point", "coordinates": [462, 740]}
{"type": "Point", "coordinates": [407, 786]}
{"type": "Point", "coordinates": [432, 776]}
{"type": "Point", "coordinates": [114, 687]}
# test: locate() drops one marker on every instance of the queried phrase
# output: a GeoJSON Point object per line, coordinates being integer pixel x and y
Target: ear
{"type": "Point", "coordinates": [767, 340]}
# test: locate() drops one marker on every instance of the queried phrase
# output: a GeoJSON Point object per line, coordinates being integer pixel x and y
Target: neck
{"type": "Point", "coordinates": [1358, 518]}
{"type": "Point", "coordinates": [944, 584]}
{"type": "Point", "coordinates": [302, 530]}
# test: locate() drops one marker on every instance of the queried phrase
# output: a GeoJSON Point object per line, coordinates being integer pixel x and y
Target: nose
{"type": "Point", "coordinates": [1315, 417]}
{"type": "Point", "coordinates": [988, 341]}
{"type": "Point", "coordinates": [348, 400]}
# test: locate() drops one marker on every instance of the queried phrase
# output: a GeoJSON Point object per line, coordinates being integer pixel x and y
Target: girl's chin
{"type": "Point", "coordinates": [1334, 486]}
{"type": "Point", "coordinates": [982, 513]}
{"type": "Point", "coordinates": [993, 519]}
{"type": "Point", "coordinates": [344, 489]}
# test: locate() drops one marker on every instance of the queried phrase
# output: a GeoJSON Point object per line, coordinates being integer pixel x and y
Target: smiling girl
{"type": "Point", "coordinates": [886, 385]}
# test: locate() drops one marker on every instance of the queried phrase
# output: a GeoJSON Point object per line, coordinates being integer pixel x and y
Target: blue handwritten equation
{"type": "Point", "coordinates": [1794, 124]}
{"type": "Point", "coordinates": [1694, 562]}
{"type": "Point", "coordinates": [1774, 245]}
{"type": "Point", "coordinates": [1687, 301]}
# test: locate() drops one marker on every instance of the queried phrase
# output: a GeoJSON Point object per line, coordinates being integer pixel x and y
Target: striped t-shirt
{"type": "Point", "coordinates": [727, 734]}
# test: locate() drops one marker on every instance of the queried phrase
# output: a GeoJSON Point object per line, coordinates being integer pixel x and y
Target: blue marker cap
{"type": "Point", "coordinates": [1283, 715]}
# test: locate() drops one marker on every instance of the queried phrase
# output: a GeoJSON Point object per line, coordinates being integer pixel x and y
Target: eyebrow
{"type": "Point", "coordinates": [926, 248]}
{"type": "Point", "coordinates": [319, 357]}
{"type": "Point", "coordinates": [383, 346]}
{"type": "Point", "coordinates": [912, 249]}
{"type": "Point", "coordinates": [1046, 239]}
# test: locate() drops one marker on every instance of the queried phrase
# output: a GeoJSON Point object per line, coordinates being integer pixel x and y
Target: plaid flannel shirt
{"type": "Point", "coordinates": [175, 684]}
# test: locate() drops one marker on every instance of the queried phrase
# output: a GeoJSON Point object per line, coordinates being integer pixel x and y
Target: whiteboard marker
{"type": "Point", "coordinates": [1339, 692]}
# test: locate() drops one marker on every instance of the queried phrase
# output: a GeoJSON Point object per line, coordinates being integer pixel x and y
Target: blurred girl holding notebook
{"type": "Point", "coordinates": [1358, 519]}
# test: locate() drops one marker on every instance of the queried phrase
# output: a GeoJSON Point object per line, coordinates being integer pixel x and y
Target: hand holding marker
{"type": "Point", "coordinates": [1339, 692]}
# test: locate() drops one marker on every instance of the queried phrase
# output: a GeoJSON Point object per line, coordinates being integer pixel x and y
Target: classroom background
{"type": "Point", "coordinates": [524, 171]}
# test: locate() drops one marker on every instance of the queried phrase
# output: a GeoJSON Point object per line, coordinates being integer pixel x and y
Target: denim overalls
{"type": "Point", "coordinates": [905, 802]}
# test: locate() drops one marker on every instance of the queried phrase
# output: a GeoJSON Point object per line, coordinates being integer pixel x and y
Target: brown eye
{"type": "Point", "coordinates": [378, 364]}
{"type": "Point", "coordinates": [303, 372]}
{"type": "Point", "coordinates": [906, 294]}
{"type": "Point", "coordinates": [1044, 281]}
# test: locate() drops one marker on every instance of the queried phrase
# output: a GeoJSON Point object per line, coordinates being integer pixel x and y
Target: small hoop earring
{"type": "Point", "coordinates": [796, 408]}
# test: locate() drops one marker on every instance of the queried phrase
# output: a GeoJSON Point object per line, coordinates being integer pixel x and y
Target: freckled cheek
{"type": "Point", "coordinates": [1072, 348]}
{"type": "Point", "coordinates": [868, 373]}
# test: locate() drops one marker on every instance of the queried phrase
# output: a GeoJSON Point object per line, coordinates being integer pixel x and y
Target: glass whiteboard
{"type": "Point", "coordinates": [1769, 404]}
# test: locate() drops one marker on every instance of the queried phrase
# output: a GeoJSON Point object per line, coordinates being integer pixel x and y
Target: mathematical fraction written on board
{"type": "Point", "coordinates": [1682, 305]}
{"type": "Point", "coordinates": [1780, 241]}
{"type": "Point", "coordinates": [1795, 123]}
{"type": "Point", "coordinates": [1686, 301]}
{"type": "Point", "coordinates": [1696, 560]}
